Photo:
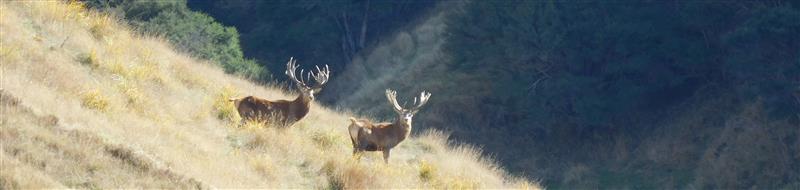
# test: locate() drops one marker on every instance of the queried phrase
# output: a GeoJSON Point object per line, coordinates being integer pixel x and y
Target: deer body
{"type": "Point", "coordinates": [377, 137]}
{"type": "Point", "coordinates": [253, 108]}
{"type": "Point", "coordinates": [367, 136]}
{"type": "Point", "coordinates": [284, 112]}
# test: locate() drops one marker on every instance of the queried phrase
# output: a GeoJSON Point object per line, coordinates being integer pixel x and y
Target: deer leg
{"type": "Point", "coordinates": [241, 122]}
{"type": "Point", "coordinates": [386, 156]}
{"type": "Point", "coordinates": [357, 154]}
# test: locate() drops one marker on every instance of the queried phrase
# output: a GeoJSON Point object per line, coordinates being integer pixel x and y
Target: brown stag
{"type": "Point", "coordinates": [284, 112]}
{"type": "Point", "coordinates": [368, 136]}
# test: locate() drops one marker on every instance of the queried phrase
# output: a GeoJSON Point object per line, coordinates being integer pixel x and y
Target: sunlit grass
{"type": "Point", "coordinates": [226, 109]}
{"type": "Point", "coordinates": [426, 171]}
{"type": "Point", "coordinates": [93, 99]}
{"type": "Point", "coordinates": [166, 120]}
{"type": "Point", "coordinates": [89, 58]}
{"type": "Point", "coordinates": [101, 26]}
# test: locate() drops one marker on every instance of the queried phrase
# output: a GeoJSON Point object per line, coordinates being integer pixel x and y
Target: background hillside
{"type": "Point", "coordinates": [589, 94]}
{"type": "Point", "coordinates": [87, 102]}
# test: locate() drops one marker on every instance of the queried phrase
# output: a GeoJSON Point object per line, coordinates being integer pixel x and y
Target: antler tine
{"type": "Point", "coordinates": [291, 68]}
{"type": "Point", "coordinates": [321, 76]}
{"type": "Point", "coordinates": [308, 76]}
{"type": "Point", "coordinates": [423, 99]}
{"type": "Point", "coordinates": [392, 96]}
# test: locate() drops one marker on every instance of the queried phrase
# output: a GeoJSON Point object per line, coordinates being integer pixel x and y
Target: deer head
{"type": "Point", "coordinates": [321, 77]}
{"type": "Point", "coordinates": [405, 115]}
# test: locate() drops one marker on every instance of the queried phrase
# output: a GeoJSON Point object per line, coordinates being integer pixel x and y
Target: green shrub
{"type": "Point", "coordinates": [190, 31]}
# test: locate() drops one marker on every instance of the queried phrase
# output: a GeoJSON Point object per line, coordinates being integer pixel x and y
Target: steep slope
{"type": "Point", "coordinates": [85, 103]}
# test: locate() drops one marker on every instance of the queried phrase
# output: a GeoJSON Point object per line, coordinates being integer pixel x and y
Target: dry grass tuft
{"type": "Point", "coordinates": [102, 26]}
{"type": "Point", "coordinates": [75, 10]}
{"type": "Point", "coordinates": [426, 171]}
{"type": "Point", "coordinates": [94, 100]}
{"type": "Point", "coordinates": [148, 70]}
{"type": "Point", "coordinates": [226, 110]}
{"type": "Point", "coordinates": [134, 97]}
{"type": "Point", "coordinates": [325, 139]}
{"type": "Point", "coordinates": [89, 58]}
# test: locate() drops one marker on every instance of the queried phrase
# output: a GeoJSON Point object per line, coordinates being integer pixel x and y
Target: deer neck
{"type": "Point", "coordinates": [301, 105]}
{"type": "Point", "coordinates": [402, 126]}
{"type": "Point", "coordinates": [302, 99]}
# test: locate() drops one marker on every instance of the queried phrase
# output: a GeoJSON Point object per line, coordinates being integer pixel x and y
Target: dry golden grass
{"type": "Point", "coordinates": [95, 100]}
{"type": "Point", "coordinates": [86, 103]}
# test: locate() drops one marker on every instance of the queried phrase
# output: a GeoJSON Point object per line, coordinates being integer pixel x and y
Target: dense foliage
{"type": "Point", "coordinates": [598, 62]}
{"type": "Point", "coordinates": [314, 32]}
{"type": "Point", "coordinates": [188, 30]}
{"type": "Point", "coordinates": [576, 74]}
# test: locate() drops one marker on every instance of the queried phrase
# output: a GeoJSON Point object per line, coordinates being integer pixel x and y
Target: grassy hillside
{"type": "Point", "coordinates": [85, 103]}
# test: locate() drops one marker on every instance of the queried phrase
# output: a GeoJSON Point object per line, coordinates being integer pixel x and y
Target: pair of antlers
{"type": "Point", "coordinates": [392, 96]}
{"type": "Point", "coordinates": [321, 76]}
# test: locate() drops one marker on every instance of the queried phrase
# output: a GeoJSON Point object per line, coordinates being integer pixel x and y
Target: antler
{"type": "Point", "coordinates": [321, 77]}
{"type": "Point", "coordinates": [418, 102]}
{"type": "Point", "coordinates": [392, 96]}
{"type": "Point", "coordinates": [291, 68]}
{"type": "Point", "coordinates": [423, 98]}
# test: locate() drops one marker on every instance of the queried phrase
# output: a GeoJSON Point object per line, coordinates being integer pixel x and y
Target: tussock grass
{"type": "Point", "coordinates": [101, 27]}
{"type": "Point", "coordinates": [94, 100]}
{"type": "Point", "coordinates": [426, 171]}
{"type": "Point", "coordinates": [89, 58]}
{"type": "Point", "coordinates": [226, 110]}
{"type": "Point", "coordinates": [97, 106]}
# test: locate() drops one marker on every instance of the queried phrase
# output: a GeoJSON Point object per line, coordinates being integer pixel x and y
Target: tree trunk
{"type": "Point", "coordinates": [364, 27]}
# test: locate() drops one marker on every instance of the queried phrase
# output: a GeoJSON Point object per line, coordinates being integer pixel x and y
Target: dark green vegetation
{"type": "Point", "coordinates": [314, 32]}
{"type": "Point", "coordinates": [702, 94]}
{"type": "Point", "coordinates": [190, 31]}
{"type": "Point", "coordinates": [633, 89]}
{"type": "Point", "coordinates": [594, 65]}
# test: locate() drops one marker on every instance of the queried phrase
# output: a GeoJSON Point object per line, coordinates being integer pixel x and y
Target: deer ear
{"type": "Point", "coordinates": [356, 122]}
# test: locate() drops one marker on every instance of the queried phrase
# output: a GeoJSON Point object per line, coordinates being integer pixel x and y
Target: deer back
{"type": "Point", "coordinates": [379, 135]}
{"type": "Point", "coordinates": [251, 107]}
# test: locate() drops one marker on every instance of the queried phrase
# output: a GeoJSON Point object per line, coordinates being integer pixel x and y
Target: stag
{"type": "Point", "coordinates": [368, 136]}
{"type": "Point", "coordinates": [284, 112]}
